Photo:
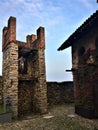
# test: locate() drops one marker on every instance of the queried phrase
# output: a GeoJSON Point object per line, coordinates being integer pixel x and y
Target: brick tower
{"type": "Point", "coordinates": [24, 74]}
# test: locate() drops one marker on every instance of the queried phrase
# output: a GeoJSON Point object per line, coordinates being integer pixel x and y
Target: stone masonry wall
{"type": "Point", "coordinates": [1, 90]}
{"type": "Point", "coordinates": [40, 87]}
{"type": "Point", "coordinates": [10, 66]}
{"type": "Point", "coordinates": [42, 82]}
{"type": "Point", "coordinates": [29, 94]}
{"type": "Point", "coordinates": [10, 76]}
{"type": "Point", "coordinates": [25, 97]}
{"type": "Point", "coordinates": [60, 92]}
{"type": "Point", "coordinates": [13, 74]}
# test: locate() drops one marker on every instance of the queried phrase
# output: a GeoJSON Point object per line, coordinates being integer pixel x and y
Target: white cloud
{"type": "Point", "coordinates": [45, 11]}
{"type": "Point", "coordinates": [87, 3]}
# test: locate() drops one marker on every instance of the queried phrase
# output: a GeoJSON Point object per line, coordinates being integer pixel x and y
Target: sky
{"type": "Point", "coordinates": [60, 18]}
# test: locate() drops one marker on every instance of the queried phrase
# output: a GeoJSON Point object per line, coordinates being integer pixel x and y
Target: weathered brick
{"type": "Point", "coordinates": [24, 71]}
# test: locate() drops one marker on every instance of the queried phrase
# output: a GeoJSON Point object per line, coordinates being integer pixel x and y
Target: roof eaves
{"type": "Point", "coordinates": [70, 40]}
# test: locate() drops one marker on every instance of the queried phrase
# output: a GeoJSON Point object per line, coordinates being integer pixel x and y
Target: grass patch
{"type": "Point", "coordinates": [2, 109]}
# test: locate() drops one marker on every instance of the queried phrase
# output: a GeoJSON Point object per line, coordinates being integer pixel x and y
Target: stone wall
{"type": "Point", "coordinates": [1, 90]}
{"type": "Point", "coordinates": [40, 89]}
{"type": "Point", "coordinates": [60, 92]}
{"type": "Point", "coordinates": [25, 97]}
{"type": "Point", "coordinates": [10, 65]}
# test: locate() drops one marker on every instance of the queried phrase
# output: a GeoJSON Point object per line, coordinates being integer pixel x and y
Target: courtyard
{"type": "Point", "coordinates": [59, 117]}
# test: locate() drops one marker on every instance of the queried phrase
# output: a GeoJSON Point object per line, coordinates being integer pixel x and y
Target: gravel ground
{"type": "Point", "coordinates": [60, 117]}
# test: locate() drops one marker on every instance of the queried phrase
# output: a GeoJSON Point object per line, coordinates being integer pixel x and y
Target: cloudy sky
{"type": "Point", "coordinates": [60, 19]}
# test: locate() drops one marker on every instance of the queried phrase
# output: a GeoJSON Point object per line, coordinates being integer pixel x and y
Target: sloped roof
{"type": "Point", "coordinates": [80, 31]}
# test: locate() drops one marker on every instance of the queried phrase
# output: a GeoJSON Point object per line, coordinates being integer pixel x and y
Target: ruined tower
{"type": "Point", "coordinates": [24, 74]}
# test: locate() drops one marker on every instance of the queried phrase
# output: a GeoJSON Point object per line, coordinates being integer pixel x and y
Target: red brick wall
{"type": "Point", "coordinates": [85, 70]}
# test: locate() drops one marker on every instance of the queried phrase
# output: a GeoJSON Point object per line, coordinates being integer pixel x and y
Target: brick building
{"type": "Point", "coordinates": [84, 44]}
{"type": "Point", "coordinates": [24, 76]}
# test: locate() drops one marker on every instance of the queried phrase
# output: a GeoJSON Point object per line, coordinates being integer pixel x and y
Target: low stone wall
{"type": "Point", "coordinates": [1, 89]}
{"type": "Point", "coordinates": [57, 93]}
{"type": "Point", "coordinates": [60, 92]}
